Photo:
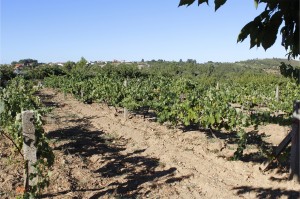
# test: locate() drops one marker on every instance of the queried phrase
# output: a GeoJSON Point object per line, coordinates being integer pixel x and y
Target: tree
{"type": "Point", "coordinates": [80, 67]}
{"type": "Point", "coordinates": [211, 70]}
{"type": "Point", "coordinates": [81, 64]}
{"type": "Point", "coordinates": [191, 61]}
{"type": "Point", "coordinates": [29, 62]}
{"type": "Point", "coordinates": [264, 28]}
{"type": "Point", "coordinates": [13, 63]}
{"type": "Point", "coordinates": [69, 65]}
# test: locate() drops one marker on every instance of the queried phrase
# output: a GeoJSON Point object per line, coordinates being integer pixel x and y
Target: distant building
{"type": "Point", "coordinates": [19, 66]}
{"type": "Point", "coordinates": [59, 64]}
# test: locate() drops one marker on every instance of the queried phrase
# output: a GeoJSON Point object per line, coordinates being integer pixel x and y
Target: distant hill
{"type": "Point", "coordinates": [217, 69]}
{"type": "Point", "coordinates": [267, 65]}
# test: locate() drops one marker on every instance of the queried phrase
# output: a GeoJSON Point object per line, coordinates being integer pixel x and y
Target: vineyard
{"type": "Point", "coordinates": [185, 102]}
{"type": "Point", "coordinates": [219, 99]}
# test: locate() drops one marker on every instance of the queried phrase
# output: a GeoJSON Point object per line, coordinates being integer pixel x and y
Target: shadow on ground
{"type": "Point", "coordinates": [263, 193]}
{"type": "Point", "coordinates": [263, 152]}
{"type": "Point", "coordinates": [46, 99]}
{"type": "Point", "coordinates": [128, 173]}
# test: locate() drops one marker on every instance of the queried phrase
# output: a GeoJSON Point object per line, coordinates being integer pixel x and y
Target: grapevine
{"type": "Point", "coordinates": [16, 97]}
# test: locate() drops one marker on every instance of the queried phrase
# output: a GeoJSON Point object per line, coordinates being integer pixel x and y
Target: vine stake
{"type": "Point", "coordinates": [29, 148]}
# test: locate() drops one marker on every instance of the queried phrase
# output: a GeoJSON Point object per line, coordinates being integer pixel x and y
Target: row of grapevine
{"type": "Point", "coordinates": [187, 102]}
{"type": "Point", "coordinates": [17, 96]}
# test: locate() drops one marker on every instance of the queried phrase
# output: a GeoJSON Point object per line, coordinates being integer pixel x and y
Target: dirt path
{"type": "Point", "coordinates": [100, 155]}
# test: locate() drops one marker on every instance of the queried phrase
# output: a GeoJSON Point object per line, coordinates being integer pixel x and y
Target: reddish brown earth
{"type": "Point", "coordinates": [99, 154]}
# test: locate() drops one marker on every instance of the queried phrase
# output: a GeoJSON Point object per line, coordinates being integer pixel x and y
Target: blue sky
{"type": "Point", "coordinates": [62, 30]}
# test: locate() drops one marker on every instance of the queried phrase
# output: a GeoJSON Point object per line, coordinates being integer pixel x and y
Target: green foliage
{"type": "Point", "coordinates": [32, 63]}
{"type": "Point", "coordinates": [190, 2]}
{"type": "Point", "coordinates": [288, 70]}
{"type": "Point", "coordinates": [43, 71]}
{"type": "Point", "coordinates": [122, 70]}
{"type": "Point", "coordinates": [264, 28]}
{"type": "Point", "coordinates": [80, 66]}
{"type": "Point", "coordinates": [69, 65]}
{"type": "Point", "coordinates": [15, 98]}
{"type": "Point", "coordinates": [6, 73]}
{"type": "Point", "coordinates": [241, 145]}
{"type": "Point", "coordinates": [219, 3]}
{"type": "Point", "coordinates": [175, 94]}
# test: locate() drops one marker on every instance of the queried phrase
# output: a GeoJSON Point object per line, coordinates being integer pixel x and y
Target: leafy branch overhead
{"type": "Point", "coordinates": [283, 14]}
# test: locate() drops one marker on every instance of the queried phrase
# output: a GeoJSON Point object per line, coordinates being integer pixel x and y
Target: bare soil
{"type": "Point", "coordinates": [100, 154]}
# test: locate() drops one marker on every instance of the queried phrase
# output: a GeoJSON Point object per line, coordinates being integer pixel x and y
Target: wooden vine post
{"type": "Point", "coordinates": [294, 138]}
{"type": "Point", "coordinates": [29, 149]}
{"type": "Point", "coordinates": [81, 93]}
{"type": "Point", "coordinates": [295, 150]}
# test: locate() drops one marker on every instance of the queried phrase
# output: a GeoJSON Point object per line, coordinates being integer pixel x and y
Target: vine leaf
{"type": "Point", "coordinates": [219, 3]}
{"type": "Point", "coordinates": [190, 2]}
{"type": "Point", "coordinates": [2, 106]}
{"type": "Point", "coordinates": [245, 31]}
{"type": "Point", "coordinates": [202, 1]}
{"type": "Point", "coordinates": [186, 2]}
{"type": "Point", "coordinates": [271, 30]}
